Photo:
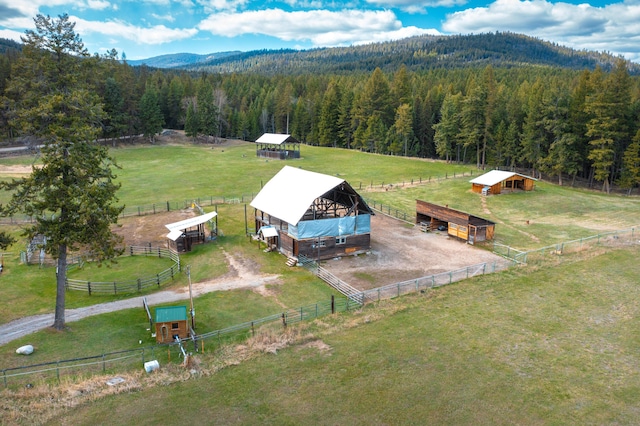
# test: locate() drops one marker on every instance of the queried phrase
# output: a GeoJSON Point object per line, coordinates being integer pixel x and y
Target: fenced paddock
{"type": "Point", "coordinates": [120, 361]}
{"type": "Point", "coordinates": [132, 285]}
{"type": "Point", "coordinates": [625, 237]}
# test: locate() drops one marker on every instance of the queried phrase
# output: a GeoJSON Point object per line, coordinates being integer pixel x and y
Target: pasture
{"type": "Point", "coordinates": [529, 343]}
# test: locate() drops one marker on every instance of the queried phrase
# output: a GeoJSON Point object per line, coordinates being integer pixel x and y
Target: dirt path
{"type": "Point", "coordinates": [239, 276]}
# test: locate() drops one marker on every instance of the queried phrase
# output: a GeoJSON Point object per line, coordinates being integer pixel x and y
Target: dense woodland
{"type": "Point", "coordinates": [577, 117]}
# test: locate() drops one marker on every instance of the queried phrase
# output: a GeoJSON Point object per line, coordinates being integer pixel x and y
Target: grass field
{"type": "Point", "coordinates": [528, 347]}
{"type": "Point", "coordinates": [535, 345]}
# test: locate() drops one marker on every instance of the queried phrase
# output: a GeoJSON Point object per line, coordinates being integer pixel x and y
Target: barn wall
{"type": "Point", "coordinates": [327, 247]}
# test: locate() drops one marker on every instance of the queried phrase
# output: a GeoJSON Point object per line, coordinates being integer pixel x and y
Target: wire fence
{"type": "Point", "coordinates": [402, 215]}
{"type": "Point", "coordinates": [212, 200]}
{"type": "Point", "coordinates": [371, 185]}
{"type": "Point", "coordinates": [135, 358]}
{"type": "Point", "coordinates": [625, 237]}
{"type": "Point", "coordinates": [133, 285]}
{"type": "Point", "coordinates": [114, 362]}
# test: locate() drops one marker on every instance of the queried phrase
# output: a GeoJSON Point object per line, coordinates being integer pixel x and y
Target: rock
{"type": "Point", "coordinates": [25, 350]}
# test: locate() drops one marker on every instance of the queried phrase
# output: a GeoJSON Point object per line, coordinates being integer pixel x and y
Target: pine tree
{"type": "Point", "coordinates": [71, 196]}
{"type": "Point", "coordinates": [151, 118]}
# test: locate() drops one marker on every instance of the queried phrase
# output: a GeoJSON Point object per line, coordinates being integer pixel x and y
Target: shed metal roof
{"type": "Point", "coordinates": [496, 176]}
{"type": "Point", "coordinates": [291, 191]}
{"type": "Point", "coordinates": [275, 138]}
{"type": "Point", "coordinates": [192, 221]}
{"type": "Point", "coordinates": [171, 313]}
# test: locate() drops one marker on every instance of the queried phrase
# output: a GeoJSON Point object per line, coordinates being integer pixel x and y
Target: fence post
{"type": "Point", "coordinates": [89, 287]}
{"type": "Point", "coordinates": [168, 207]}
{"type": "Point", "coordinates": [284, 321]}
{"type": "Point", "coordinates": [115, 288]}
{"type": "Point", "coordinates": [333, 304]}
{"type": "Point", "coordinates": [104, 365]}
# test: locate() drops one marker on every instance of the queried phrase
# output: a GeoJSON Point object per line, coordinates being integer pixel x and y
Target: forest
{"type": "Point", "coordinates": [577, 119]}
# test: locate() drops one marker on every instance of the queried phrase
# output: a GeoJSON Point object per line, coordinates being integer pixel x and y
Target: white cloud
{"type": "Point", "coordinates": [11, 35]}
{"type": "Point", "coordinates": [320, 27]}
{"type": "Point", "coordinates": [98, 4]}
{"type": "Point", "coordinates": [222, 5]}
{"type": "Point", "coordinates": [168, 17]}
{"type": "Point", "coordinates": [157, 34]}
{"type": "Point", "coordinates": [412, 6]}
{"type": "Point", "coordinates": [613, 28]}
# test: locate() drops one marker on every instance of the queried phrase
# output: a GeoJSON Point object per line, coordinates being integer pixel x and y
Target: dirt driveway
{"type": "Point", "coordinates": [400, 251]}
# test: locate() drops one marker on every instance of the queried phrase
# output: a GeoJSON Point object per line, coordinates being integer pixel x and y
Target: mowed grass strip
{"type": "Point", "coordinates": [527, 346]}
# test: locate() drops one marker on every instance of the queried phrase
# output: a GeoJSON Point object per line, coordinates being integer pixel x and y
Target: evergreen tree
{"type": "Point", "coordinates": [72, 195]}
{"type": "Point", "coordinates": [630, 177]}
{"type": "Point", "coordinates": [191, 124]}
{"type": "Point", "coordinates": [447, 130]}
{"type": "Point", "coordinates": [328, 121]}
{"type": "Point", "coordinates": [608, 126]}
{"type": "Point", "coordinates": [151, 118]}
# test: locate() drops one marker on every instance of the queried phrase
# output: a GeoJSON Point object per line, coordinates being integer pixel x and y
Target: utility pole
{"type": "Point", "coordinates": [193, 311]}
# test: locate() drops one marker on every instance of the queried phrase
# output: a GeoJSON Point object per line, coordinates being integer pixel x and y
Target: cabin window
{"type": "Point", "coordinates": [341, 240]}
{"type": "Point", "coordinates": [175, 326]}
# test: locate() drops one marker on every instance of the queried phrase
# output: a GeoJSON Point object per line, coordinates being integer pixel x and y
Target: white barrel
{"type": "Point", "coordinates": [151, 366]}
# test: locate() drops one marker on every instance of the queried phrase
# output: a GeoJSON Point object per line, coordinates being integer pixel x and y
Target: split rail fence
{"type": "Point", "coordinates": [134, 285]}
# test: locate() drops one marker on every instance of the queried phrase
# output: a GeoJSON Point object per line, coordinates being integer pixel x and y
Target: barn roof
{"type": "Point", "coordinates": [496, 176]}
{"type": "Point", "coordinates": [291, 191]}
{"type": "Point", "coordinates": [171, 313]}
{"type": "Point", "coordinates": [275, 139]}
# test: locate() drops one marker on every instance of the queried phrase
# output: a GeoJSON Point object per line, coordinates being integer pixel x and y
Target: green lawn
{"type": "Point", "coordinates": [543, 346]}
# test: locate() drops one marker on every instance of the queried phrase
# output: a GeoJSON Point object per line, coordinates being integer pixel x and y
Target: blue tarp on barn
{"type": "Point", "coordinates": [349, 225]}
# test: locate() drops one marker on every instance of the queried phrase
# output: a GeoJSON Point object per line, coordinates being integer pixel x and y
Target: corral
{"type": "Point", "coordinates": [400, 251]}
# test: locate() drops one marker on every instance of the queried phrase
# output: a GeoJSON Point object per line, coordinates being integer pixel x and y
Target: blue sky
{"type": "Point", "coordinates": [146, 28]}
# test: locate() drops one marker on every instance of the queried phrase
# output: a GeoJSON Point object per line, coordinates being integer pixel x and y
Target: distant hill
{"type": "Point", "coordinates": [180, 60]}
{"type": "Point", "coordinates": [421, 52]}
{"type": "Point", "coordinates": [7, 45]}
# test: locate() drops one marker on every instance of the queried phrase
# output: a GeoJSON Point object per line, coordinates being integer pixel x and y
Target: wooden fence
{"type": "Point", "coordinates": [133, 285]}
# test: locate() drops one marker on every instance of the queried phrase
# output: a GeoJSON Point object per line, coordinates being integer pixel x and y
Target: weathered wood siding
{"type": "Point", "coordinates": [165, 331]}
{"type": "Point", "coordinates": [330, 247]}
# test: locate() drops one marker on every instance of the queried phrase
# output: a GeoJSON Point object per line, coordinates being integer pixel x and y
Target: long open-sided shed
{"type": "Point", "coordinates": [314, 215]}
{"type": "Point", "coordinates": [171, 321]}
{"type": "Point", "coordinates": [191, 231]}
{"type": "Point", "coordinates": [459, 224]}
{"type": "Point", "coordinates": [279, 146]}
{"type": "Point", "coordinates": [496, 181]}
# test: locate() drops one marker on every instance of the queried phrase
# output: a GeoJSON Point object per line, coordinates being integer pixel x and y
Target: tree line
{"type": "Point", "coordinates": [546, 120]}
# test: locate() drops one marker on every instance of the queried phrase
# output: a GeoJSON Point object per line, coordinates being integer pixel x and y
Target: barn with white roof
{"type": "Point", "coordinates": [498, 181]}
{"type": "Point", "coordinates": [310, 214]}
{"type": "Point", "coordinates": [278, 146]}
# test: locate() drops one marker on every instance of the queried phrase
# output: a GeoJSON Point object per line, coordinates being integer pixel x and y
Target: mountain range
{"type": "Point", "coordinates": [501, 49]}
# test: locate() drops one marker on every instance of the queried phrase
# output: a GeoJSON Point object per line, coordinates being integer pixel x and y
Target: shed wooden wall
{"type": "Point", "coordinates": [182, 331]}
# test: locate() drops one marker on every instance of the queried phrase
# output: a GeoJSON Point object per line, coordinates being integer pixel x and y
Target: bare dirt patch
{"type": "Point", "coordinates": [149, 229]}
{"type": "Point", "coordinates": [15, 170]}
{"type": "Point", "coordinates": [400, 252]}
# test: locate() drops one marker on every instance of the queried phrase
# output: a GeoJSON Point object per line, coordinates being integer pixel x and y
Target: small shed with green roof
{"type": "Point", "coordinates": [171, 321]}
